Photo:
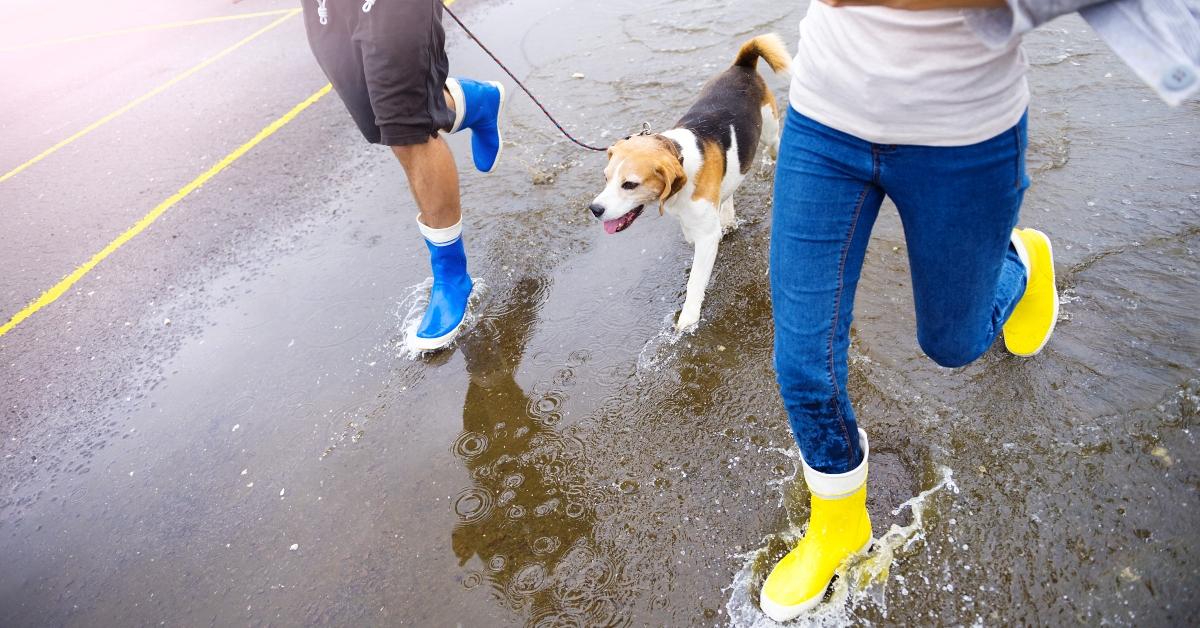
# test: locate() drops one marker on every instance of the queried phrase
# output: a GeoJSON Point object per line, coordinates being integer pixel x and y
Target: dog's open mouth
{"type": "Point", "coordinates": [620, 224]}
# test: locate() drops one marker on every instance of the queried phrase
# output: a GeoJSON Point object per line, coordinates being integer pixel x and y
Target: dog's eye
{"type": "Point", "coordinates": [629, 185]}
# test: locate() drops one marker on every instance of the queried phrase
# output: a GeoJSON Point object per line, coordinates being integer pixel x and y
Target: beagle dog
{"type": "Point", "coordinates": [692, 170]}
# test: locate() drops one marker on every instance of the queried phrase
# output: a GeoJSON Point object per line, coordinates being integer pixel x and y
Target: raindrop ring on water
{"type": "Point", "coordinates": [473, 504]}
{"type": "Point", "coordinates": [546, 544]}
{"type": "Point", "coordinates": [472, 580]}
{"type": "Point", "coordinates": [604, 612]}
{"type": "Point", "coordinates": [528, 580]}
{"type": "Point", "coordinates": [470, 444]}
{"type": "Point", "coordinates": [598, 574]}
{"type": "Point", "coordinates": [547, 406]}
{"type": "Point", "coordinates": [554, 617]}
{"type": "Point", "coordinates": [549, 403]}
{"type": "Point", "coordinates": [546, 507]}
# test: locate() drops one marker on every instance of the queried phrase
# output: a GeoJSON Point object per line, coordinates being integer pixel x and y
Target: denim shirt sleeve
{"type": "Point", "coordinates": [1158, 39]}
{"type": "Point", "coordinates": [997, 26]}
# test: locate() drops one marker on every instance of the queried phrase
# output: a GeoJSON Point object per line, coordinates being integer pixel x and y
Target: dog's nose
{"type": "Point", "coordinates": [597, 209]}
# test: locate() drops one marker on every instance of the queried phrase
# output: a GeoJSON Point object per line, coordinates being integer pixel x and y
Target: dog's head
{"type": "Point", "coordinates": [641, 169]}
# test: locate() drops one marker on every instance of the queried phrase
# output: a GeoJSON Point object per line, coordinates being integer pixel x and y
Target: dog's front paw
{"type": "Point", "coordinates": [686, 321]}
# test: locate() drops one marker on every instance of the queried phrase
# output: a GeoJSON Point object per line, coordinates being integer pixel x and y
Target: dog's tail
{"type": "Point", "coordinates": [769, 47]}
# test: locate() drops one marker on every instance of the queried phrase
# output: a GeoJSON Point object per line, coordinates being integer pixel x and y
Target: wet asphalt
{"type": "Point", "coordinates": [218, 424]}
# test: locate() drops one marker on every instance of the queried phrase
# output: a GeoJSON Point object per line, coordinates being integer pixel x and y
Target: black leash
{"type": "Point", "coordinates": [520, 84]}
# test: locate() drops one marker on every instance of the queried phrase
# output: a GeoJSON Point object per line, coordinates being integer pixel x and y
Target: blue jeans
{"type": "Point", "coordinates": [958, 206]}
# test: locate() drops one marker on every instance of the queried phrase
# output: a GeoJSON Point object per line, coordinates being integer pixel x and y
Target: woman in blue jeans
{"type": "Point", "coordinates": [927, 107]}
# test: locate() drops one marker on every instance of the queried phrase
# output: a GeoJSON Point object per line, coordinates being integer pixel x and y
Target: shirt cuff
{"type": "Point", "coordinates": [996, 28]}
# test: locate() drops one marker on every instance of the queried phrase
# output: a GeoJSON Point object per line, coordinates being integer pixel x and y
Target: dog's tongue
{"type": "Point", "coordinates": [611, 226]}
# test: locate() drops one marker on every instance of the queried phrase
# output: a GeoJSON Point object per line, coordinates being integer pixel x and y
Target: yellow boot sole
{"type": "Point", "coordinates": [1032, 322]}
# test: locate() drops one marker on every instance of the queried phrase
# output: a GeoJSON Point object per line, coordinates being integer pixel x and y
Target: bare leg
{"type": "Point", "coordinates": [433, 178]}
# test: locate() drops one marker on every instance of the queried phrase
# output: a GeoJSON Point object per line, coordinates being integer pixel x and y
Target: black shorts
{"type": "Point", "coordinates": [388, 65]}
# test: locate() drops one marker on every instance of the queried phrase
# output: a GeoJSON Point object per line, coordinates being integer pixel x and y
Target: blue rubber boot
{"type": "Point", "coordinates": [477, 106]}
{"type": "Point", "coordinates": [451, 289]}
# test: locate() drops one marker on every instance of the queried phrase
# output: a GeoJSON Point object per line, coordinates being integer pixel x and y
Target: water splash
{"type": "Point", "coordinates": [660, 350]}
{"type": "Point", "coordinates": [412, 308]}
{"type": "Point", "coordinates": [862, 581]}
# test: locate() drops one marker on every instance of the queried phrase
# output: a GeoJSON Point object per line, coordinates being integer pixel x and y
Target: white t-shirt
{"type": "Point", "coordinates": [905, 77]}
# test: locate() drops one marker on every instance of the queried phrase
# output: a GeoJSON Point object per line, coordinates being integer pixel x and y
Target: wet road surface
{"type": "Point", "coordinates": [218, 425]}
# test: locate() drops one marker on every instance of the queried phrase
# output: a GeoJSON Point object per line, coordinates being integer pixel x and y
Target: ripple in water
{"type": "Point", "coordinates": [472, 580]}
{"type": "Point", "coordinates": [469, 445]}
{"type": "Point", "coordinates": [551, 617]}
{"type": "Point", "coordinates": [660, 351]}
{"type": "Point", "coordinates": [584, 575]}
{"type": "Point", "coordinates": [606, 612]}
{"type": "Point", "coordinates": [473, 504]}
{"type": "Point", "coordinates": [575, 510]}
{"type": "Point", "coordinates": [546, 544]}
{"type": "Point", "coordinates": [545, 409]}
{"type": "Point", "coordinates": [546, 507]}
{"type": "Point", "coordinates": [547, 404]}
{"type": "Point", "coordinates": [528, 580]}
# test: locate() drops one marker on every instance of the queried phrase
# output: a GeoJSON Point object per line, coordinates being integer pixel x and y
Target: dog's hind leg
{"type": "Point", "coordinates": [728, 216]}
{"type": "Point", "coordinates": [770, 130]}
{"type": "Point", "coordinates": [769, 137]}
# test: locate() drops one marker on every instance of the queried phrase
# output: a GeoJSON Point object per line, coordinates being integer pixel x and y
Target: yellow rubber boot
{"type": "Point", "coordinates": [838, 528]}
{"type": "Point", "coordinates": [1029, 327]}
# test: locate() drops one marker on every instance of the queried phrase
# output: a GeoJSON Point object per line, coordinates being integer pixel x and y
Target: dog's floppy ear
{"type": "Point", "coordinates": [670, 169]}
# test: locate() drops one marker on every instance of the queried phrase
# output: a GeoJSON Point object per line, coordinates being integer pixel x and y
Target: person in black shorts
{"type": "Point", "coordinates": [387, 62]}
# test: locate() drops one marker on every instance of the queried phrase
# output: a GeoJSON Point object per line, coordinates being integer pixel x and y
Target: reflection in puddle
{"type": "Point", "coordinates": [524, 526]}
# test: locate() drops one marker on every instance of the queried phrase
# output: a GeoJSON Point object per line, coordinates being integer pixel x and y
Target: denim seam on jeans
{"type": "Point", "coordinates": [1016, 131]}
{"type": "Point", "coordinates": [837, 314]}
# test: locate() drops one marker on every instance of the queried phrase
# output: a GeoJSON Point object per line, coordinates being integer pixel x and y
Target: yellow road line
{"type": "Point", "coordinates": [51, 295]}
{"type": "Point", "coordinates": [144, 97]}
{"type": "Point", "coordinates": [148, 28]}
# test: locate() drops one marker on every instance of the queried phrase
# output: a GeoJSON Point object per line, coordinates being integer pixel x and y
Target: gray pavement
{"type": "Point", "coordinates": [218, 424]}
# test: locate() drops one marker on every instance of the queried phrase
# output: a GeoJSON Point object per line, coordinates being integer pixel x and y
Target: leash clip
{"type": "Point", "coordinates": [645, 131]}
